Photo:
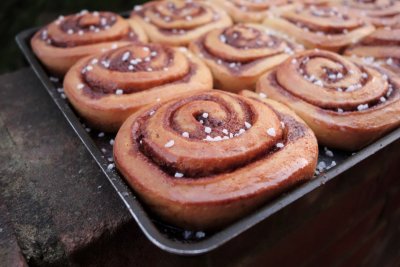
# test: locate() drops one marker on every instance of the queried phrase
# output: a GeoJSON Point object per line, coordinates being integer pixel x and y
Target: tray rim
{"type": "Point", "coordinates": [134, 206]}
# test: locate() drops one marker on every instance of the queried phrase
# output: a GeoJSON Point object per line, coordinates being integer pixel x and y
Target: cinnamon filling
{"type": "Point", "coordinates": [145, 139]}
{"type": "Point", "coordinates": [85, 29]}
{"type": "Point", "coordinates": [383, 38]}
{"type": "Point", "coordinates": [88, 22]}
{"type": "Point", "coordinates": [174, 19]}
{"type": "Point", "coordinates": [177, 13]}
{"type": "Point", "coordinates": [96, 88]}
{"type": "Point", "coordinates": [256, 5]}
{"type": "Point", "coordinates": [244, 38]}
{"type": "Point", "coordinates": [231, 124]}
{"type": "Point", "coordinates": [389, 94]}
{"type": "Point", "coordinates": [129, 36]}
{"type": "Point", "coordinates": [313, 28]}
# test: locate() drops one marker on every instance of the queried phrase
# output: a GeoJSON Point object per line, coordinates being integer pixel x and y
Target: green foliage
{"type": "Point", "coordinates": [17, 15]}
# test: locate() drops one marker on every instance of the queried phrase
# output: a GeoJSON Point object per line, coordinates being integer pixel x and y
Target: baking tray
{"type": "Point", "coordinates": [331, 162]}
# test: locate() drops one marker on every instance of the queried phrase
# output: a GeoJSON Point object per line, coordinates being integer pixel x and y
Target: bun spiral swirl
{"type": "Point", "coordinates": [324, 27]}
{"type": "Point", "coordinates": [313, 2]}
{"type": "Point", "coordinates": [382, 46]}
{"type": "Point", "coordinates": [105, 89]}
{"type": "Point", "coordinates": [238, 55]}
{"type": "Point", "coordinates": [380, 13]}
{"type": "Point", "coordinates": [347, 104]}
{"type": "Point", "coordinates": [66, 40]}
{"type": "Point", "coordinates": [203, 161]}
{"type": "Point", "coordinates": [176, 22]}
{"type": "Point", "coordinates": [249, 10]}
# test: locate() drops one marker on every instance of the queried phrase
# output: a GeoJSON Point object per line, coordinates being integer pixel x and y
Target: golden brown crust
{"type": "Point", "coordinates": [321, 26]}
{"type": "Point", "coordinates": [382, 46]}
{"type": "Point", "coordinates": [249, 10]}
{"type": "Point", "coordinates": [348, 105]}
{"type": "Point", "coordinates": [203, 161]}
{"type": "Point", "coordinates": [238, 55]}
{"type": "Point", "coordinates": [380, 13]}
{"type": "Point", "coordinates": [176, 22]}
{"type": "Point", "coordinates": [63, 42]}
{"type": "Point", "coordinates": [314, 2]}
{"type": "Point", "coordinates": [106, 88]}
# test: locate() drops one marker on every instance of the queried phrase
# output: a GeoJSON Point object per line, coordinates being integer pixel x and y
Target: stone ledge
{"type": "Point", "coordinates": [59, 199]}
{"type": "Point", "coordinates": [10, 253]}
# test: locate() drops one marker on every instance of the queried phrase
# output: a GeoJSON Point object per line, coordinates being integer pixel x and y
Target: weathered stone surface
{"type": "Point", "coordinates": [59, 199]}
{"type": "Point", "coordinates": [10, 254]}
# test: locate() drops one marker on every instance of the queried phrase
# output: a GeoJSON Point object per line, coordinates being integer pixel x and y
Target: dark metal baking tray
{"type": "Point", "coordinates": [167, 237]}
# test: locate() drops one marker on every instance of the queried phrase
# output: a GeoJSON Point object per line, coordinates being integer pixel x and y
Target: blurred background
{"type": "Point", "coordinates": [17, 15]}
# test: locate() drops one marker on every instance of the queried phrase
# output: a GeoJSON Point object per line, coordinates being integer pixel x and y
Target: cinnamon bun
{"type": "Point", "coordinates": [249, 10]}
{"type": "Point", "coordinates": [238, 55]}
{"type": "Point", "coordinates": [66, 40]}
{"type": "Point", "coordinates": [380, 13]}
{"type": "Point", "coordinates": [106, 88]}
{"type": "Point", "coordinates": [382, 46]}
{"type": "Point", "coordinates": [320, 26]}
{"type": "Point", "coordinates": [176, 22]}
{"type": "Point", "coordinates": [347, 104]}
{"type": "Point", "coordinates": [206, 160]}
